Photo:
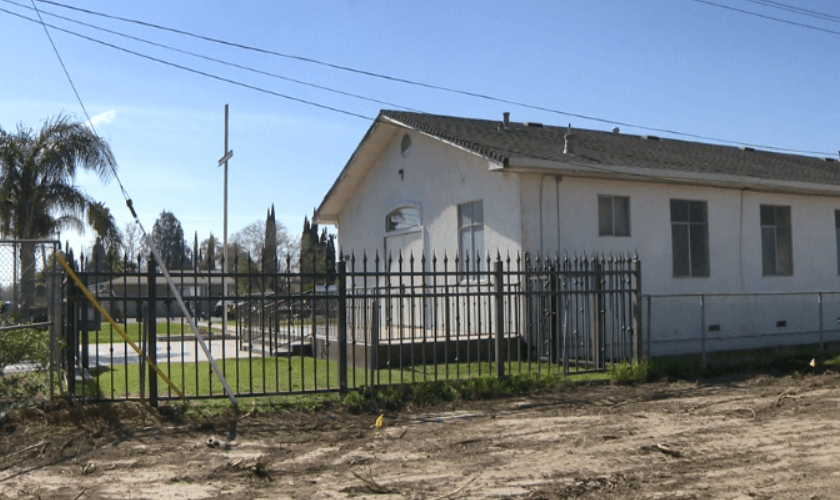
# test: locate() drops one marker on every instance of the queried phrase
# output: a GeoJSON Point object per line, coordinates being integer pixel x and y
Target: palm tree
{"type": "Point", "coordinates": [38, 196]}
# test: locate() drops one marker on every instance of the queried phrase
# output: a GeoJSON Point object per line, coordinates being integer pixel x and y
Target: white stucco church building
{"type": "Point", "coordinates": [738, 245]}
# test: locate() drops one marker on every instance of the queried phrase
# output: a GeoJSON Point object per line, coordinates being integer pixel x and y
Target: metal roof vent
{"type": "Point", "coordinates": [506, 119]}
{"type": "Point", "coordinates": [616, 130]}
{"type": "Point", "coordinates": [651, 137]}
{"type": "Point", "coordinates": [534, 124]}
{"type": "Point", "coordinates": [829, 159]}
{"type": "Point", "coordinates": [746, 148]}
{"type": "Point", "coordinates": [569, 148]}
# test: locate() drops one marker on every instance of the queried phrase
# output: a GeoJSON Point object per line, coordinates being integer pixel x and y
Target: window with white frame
{"type": "Point", "coordinates": [471, 237]}
{"type": "Point", "coordinates": [613, 215]}
{"type": "Point", "coordinates": [402, 218]}
{"type": "Point", "coordinates": [776, 241]}
{"type": "Point", "coordinates": [690, 238]}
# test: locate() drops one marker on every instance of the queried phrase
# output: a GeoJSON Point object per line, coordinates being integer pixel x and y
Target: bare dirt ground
{"type": "Point", "coordinates": [761, 437]}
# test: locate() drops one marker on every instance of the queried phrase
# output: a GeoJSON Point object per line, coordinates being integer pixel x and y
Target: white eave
{"type": "Point", "coordinates": [572, 169]}
{"type": "Point", "coordinates": [357, 167]}
{"type": "Point", "coordinates": [381, 132]}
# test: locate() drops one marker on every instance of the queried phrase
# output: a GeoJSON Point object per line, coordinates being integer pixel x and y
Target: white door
{"type": "Point", "coordinates": [407, 244]}
{"type": "Point", "coordinates": [402, 315]}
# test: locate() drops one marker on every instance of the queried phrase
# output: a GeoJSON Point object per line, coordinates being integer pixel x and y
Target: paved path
{"type": "Point", "coordinates": [188, 351]}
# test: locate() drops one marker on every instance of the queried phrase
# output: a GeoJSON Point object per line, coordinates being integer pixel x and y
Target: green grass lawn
{"type": "Point", "coordinates": [280, 374]}
{"type": "Point", "coordinates": [108, 334]}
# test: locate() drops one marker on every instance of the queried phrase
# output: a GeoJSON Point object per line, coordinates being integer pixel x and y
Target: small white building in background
{"type": "Point", "coordinates": [740, 246]}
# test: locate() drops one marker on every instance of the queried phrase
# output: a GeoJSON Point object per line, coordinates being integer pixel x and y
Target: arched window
{"type": "Point", "coordinates": [402, 218]}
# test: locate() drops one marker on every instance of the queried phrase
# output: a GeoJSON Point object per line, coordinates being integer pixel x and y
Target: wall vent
{"type": "Point", "coordinates": [781, 324]}
{"type": "Point", "coordinates": [714, 328]}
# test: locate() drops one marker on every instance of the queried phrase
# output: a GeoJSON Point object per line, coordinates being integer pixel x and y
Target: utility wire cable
{"type": "Point", "coordinates": [196, 71]}
{"type": "Point", "coordinates": [763, 16]}
{"type": "Point", "coordinates": [797, 10]}
{"type": "Point", "coordinates": [124, 192]}
{"type": "Point", "coordinates": [427, 85]}
{"type": "Point", "coordinates": [75, 91]}
{"type": "Point", "coordinates": [368, 118]}
{"type": "Point", "coordinates": [149, 240]}
{"type": "Point", "coordinates": [216, 60]}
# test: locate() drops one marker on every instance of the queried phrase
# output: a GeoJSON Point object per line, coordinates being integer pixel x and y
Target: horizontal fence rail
{"type": "Point", "coordinates": [682, 324]}
{"type": "Point", "coordinates": [357, 323]}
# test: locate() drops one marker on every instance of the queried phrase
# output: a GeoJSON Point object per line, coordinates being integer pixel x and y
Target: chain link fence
{"type": "Point", "coordinates": [30, 291]}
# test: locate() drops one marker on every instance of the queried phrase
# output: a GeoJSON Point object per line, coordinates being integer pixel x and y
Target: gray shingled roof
{"type": "Point", "coordinates": [594, 147]}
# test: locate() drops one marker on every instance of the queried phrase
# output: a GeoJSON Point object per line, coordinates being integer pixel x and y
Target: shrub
{"type": "Point", "coordinates": [629, 372]}
{"type": "Point", "coordinates": [29, 345]}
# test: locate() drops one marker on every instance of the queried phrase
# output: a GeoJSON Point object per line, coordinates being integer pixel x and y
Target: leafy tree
{"type": "Point", "coordinates": [262, 247]}
{"type": "Point", "coordinates": [132, 245]}
{"type": "Point", "coordinates": [168, 237]}
{"type": "Point", "coordinates": [38, 196]}
{"type": "Point", "coordinates": [252, 239]}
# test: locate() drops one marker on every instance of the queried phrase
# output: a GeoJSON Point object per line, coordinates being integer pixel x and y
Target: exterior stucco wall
{"type": "Point", "coordinates": [436, 177]}
{"type": "Point", "coordinates": [734, 239]}
{"type": "Point", "coordinates": [679, 322]}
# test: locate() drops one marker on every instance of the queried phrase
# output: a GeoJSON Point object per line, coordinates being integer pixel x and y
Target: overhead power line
{"type": "Point", "coordinates": [75, 91]}
{"type": "Point", "coordinates": [427, 85]}
{"type": "Point", "coordinates": [797, 10]}
{"type": "Point", "coordinates": [195, 71]}
{"type": "Point", "coordinates": [763, 16]}
{"type": "Point", "coordinates": [213, 59]}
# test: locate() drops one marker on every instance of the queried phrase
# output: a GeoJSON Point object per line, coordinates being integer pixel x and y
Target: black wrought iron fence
{"type": "Point", "coordinates": [365, 323]}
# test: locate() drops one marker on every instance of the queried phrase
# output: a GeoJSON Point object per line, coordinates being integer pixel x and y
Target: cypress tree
{"type": "Point", "coordinates": [269, 257]}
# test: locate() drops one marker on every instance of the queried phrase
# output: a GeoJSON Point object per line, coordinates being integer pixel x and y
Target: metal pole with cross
{"type": "Point", "coordinates": [224, 161]}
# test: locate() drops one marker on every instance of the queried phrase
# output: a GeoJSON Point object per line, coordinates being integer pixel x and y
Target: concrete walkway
{"type": "Point", "coordinates": [188, 351]}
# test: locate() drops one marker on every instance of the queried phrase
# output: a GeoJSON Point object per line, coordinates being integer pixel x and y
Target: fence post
{"type": "Point", "coordinates": [600, 336]}
{"type": "Point", "coordinates": [637, 309]}
{"type": "Point", "coordinates": [500, 319]}
{"type": "Point", "coordinates": [649, 322]}
{"type": "Point", "coordinates": [342, 326]}
{"type": "Point", "coordinates": [151, 338]}
{"type": "Point", "coordinates": [374, 341]}
{"type": "Point", "coordinates": [703, 332]}
{"type": "Point", "coordinates": [552, 304]}
{"type": "Point", "coordinates": [84, 335]}
{"type": "Point", "coordinates": [71, 347]}
{"type": "Point", "coordinates": [822, 331]}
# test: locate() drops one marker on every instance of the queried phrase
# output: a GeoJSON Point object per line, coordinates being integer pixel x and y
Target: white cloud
{"type": "Point", "coordinates": [103, 118]}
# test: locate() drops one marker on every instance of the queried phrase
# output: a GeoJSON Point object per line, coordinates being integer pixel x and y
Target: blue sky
{"type": "Point", "coordinates": [681, 65]}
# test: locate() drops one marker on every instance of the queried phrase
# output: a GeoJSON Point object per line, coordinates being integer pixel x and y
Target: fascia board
{"type": "Point", "coordinates": [357, 167]}
{"type": "Point", "coordinates": [351, 176]}
{"type": "Point", "coordinates": [571, 169]}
